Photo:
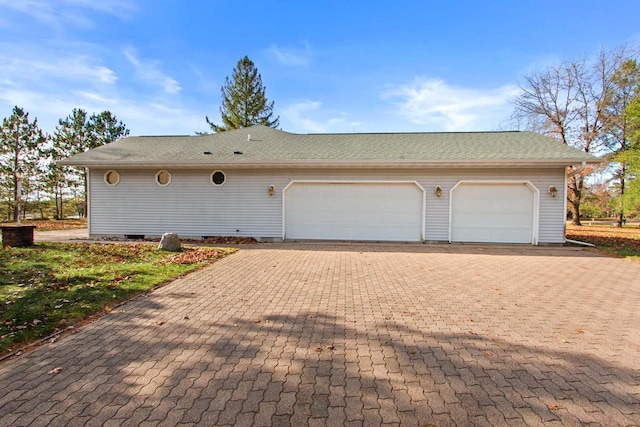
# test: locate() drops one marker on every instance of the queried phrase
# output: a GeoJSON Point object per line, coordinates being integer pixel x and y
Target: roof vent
{"type": "Point", "coordinates": [249, 137]}
{"type": "Point", "coordinates": [207, 152]}
{"type": "Point", "coordinates": [237, 152]}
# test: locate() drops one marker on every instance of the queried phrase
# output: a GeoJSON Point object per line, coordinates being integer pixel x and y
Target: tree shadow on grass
{"type": "Point", "coordinates": [48, 304]}
{"type": "Point", "coordinates": [202, 367]}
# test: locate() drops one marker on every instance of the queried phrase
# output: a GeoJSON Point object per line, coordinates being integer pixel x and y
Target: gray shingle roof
{"type": "Point", "coordinates": [272, 147]}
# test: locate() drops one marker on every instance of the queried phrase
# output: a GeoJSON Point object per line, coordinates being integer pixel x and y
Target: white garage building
{"type": "Point", "coordinates": [503, 187]}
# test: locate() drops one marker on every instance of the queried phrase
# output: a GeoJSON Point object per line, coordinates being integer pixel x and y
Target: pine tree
{"type": "Point", "coordinates": [75, 134]}
{"type": "Point", "coordinates": [106, 128]}
{"type": "Point", "coordinates": [21, 142]}
{"type": "Point", "coordinates": [244, 102]}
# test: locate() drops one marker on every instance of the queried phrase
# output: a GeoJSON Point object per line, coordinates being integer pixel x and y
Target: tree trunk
{"type": "Point", "coordinates": [56, 205]}
{"type": "Point", "coordinates": [57, 191]}
{"type": "Point", "coordinates": [16, 208]}
{"type": "Point", "coordinates": [61, 204]}
{"type": "Point", "coordinates": [575, 212]}
{"type": "Point", "coordinates": [16, 169]}
{"type": "Point", "coordinates": [621, 214]}
{"type": "Point", "coordinates": [573, 197]}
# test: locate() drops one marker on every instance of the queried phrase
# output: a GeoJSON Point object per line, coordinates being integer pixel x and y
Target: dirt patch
{"type": "Point", "coordinates": [230, 240]}
{"type": "Point", "coordinates": [53, 225]}
{"type": "Point", "coordinates": [217, 240]}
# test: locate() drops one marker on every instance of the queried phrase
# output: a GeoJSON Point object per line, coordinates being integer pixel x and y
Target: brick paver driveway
{"type": "Point", "coordinates": [330, 334]}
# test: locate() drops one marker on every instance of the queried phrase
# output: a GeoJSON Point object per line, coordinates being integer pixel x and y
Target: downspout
{"type": "Point", "coordinates": [88, 199]}
{"type": "Point", "coordinates": [577, 171]}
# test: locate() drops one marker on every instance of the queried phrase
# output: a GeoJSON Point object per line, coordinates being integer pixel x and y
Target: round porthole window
{"type": "Point", "coordinates": [112, 178]}
{"type": "Point", "coordinates": [218, 178]}
{"type": "Point", "coordinates": [163, 178]}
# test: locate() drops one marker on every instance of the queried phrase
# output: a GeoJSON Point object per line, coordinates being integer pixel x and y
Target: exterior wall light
{"type": "Point", "coordinates": [438, 191]}
{"type": "Point", "coordinates": [553, 190]}
{"type": "Point", "coordinates": [272, 189]}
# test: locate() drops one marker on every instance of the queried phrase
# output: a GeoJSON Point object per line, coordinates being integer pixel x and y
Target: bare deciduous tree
{"type": "Point", "coordinates": [568, 101]}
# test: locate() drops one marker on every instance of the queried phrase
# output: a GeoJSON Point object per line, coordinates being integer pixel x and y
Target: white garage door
{"type": "Point", "coordinates": [354, 211]}
{"type": "Point", "coordinates": [500, 213]}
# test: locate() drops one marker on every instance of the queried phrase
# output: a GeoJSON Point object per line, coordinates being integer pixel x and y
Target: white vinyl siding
{"type": "Point", "coordinates": [192, 207]}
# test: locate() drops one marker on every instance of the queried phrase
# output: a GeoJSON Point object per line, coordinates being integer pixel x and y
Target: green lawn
{"type": "Point", "coordinates": [50, 286]}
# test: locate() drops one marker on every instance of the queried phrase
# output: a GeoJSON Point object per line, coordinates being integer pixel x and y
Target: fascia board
{"type": "Point", "coordinates": [333, 164]}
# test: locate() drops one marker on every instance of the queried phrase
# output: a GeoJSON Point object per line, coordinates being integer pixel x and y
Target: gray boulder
{"type": "Point", "coordinates": [169, 242]}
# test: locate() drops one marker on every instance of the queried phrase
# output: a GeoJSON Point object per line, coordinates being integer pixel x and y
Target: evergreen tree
{"type": "Point", "coordinates": [75, 134]}
{"type": "Point", "coordinates": [21, 142]}
{"type": "Point", "coordinates": [106, 128]}
{"type": "Point", "coordinates": [244, 102]}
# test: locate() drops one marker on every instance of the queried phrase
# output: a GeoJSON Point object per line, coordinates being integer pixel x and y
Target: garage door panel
{"type": "Point", "coordinates": [500, 213]}
{"type": "Point", "coordinates": [492, 234]}
{"type": "Point", "coordinates": [354, 211]}
{"type": "Point", "coordinates": [491, 219]}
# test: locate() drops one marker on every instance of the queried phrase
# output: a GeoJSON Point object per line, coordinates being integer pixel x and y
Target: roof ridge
{"type": "Point", "coordinates": [243, 129]}
{"type": "Point", "coordinates": [337, 133]}
{"type": "Point", "coordinates": [413, 133]}
{"type": "Point", "coordinates": [159, 136]}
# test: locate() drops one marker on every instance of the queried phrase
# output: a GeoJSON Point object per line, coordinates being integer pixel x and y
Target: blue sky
{"type": "Point", "coordinates": [330, 66]}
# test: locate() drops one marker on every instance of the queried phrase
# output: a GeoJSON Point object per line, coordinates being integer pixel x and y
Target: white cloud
{"type": "Point", "coordinates": [60, 13]}
{"type": "Point", "coordinates": [309, 116]}
{"type": "Point", "coordinates": [50, 81]}
{"type": "Point", "coordinates": [295, 115]}
{"type": "Point", "coordinates": [146, 117]}
{"type": "Point", "coordinates": [142, 116]}
{"type": "Point", "coordinates": [291, 56]}
{"type": "Point", "coordinates": [111, 7]}
{"type": "Point", "coordinates": [47, 68]}
{"type": "Point", "coordinates": [149, 71]}
{"type": "Point", "coordinates": [453, 108]}
{"type": "Point", "coordinates": [48, 109]}
{"type": "Point", "coordinates": [65, 67]}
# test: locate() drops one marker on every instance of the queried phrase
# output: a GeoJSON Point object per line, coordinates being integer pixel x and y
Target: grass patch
{"type": "Point", "coordinates": [50, 286]}
{"type": "Point", "coordinates": [624, 242]}
{"type": "Point", "coordinates": [53, 224]}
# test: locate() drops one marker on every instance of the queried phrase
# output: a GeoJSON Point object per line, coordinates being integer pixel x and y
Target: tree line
{"type": "Point", "coordinates": [28, 155]}
{"type": "Point", "coordinates": [592, 104]}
